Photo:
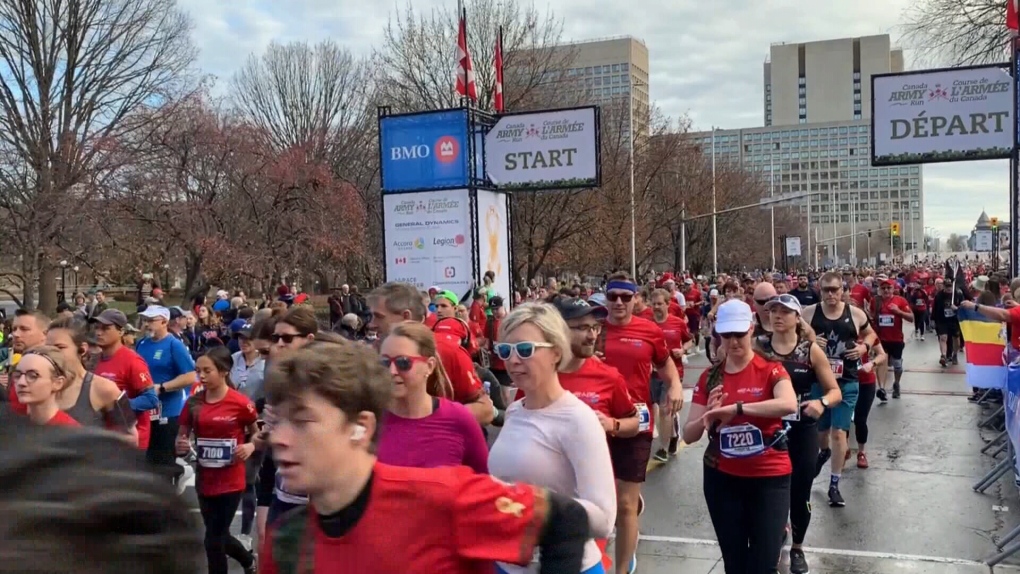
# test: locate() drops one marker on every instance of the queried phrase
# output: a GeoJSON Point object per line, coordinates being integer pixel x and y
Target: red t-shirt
{"type": "Point", "coordinates": [62, 419]}
{"type": "Point", "coordinates": [889, 325]}
{"type": "Point", "coordinates": [693, 303]}
{"type": "Point", "coordinates": [477, 313]}
{"type": "Point", "coordinates": [677, 334]}
{"type": "Point", "coordinates": [918, 300]}
{"type": "Point", "coordinates": [860, 295]}
{"type": "Point", "coordinates": [495, 363]}
{"type": "Point", "coordinates": [447, 520]}
{"type": "Point", "coordinates": [129, 371]}
{"type": "Point", "coordinates": [633, 350]}
{"type": "Point", "coordinates": [430, 320]}
{"type": "Point", "coordinates": [601, 387]}
{"type": "Point", "coordinates": [1014, 327]}
{"type": "Point", "coordinates": [222, 424]}
{"type": "Point", "coordinates": [461, 370]}
{"type": "Point", "coordinates": [867, 377]}
{"type": "Point", "coordinates": [754, 384]}
{"type": "Point", "coordinates": [646, 313]}
{"type": "Point", "coordinates": [674, 309]}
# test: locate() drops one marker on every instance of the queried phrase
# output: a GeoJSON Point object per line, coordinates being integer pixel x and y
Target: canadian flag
{"type": "Point", "coordinates": [1012, 9]}
{"type": "Point", "coordinates": [497, 98]}
{"type": "Point", "coordinates": [465, 72]}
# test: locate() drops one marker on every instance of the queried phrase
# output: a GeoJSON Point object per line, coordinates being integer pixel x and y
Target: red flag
{"type": "Point", "coordinates": [465, 72]}
{"type": "Point", "coordinates": [497, 98]}
{"type": "Point", "coordinates": [1012, 21]}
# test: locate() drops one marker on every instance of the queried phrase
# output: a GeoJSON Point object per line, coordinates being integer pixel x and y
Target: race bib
{"type": "Point", "coordinates": [950, 312]}
{"type": "Point", "coordinates": [837, 367]}
{"type": "Point", "coordinates": [741, 441]}
{"type": "Point", "coordinates": [886, 321]}
{"type": "Point", "coordinates": [644, 417]}
{"type": "Point", "coordinates": [215, 452]}
{"type": "Point", "coordinates": [157, 413]}
{"type": "Point", "coordinates": [919, 303]}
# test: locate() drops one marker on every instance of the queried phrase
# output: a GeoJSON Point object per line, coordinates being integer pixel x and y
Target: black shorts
{"type": "Point", "coordinates": [949, 328]}
{"type": "Point", "coordinates": [630, 456]}
{"type": "Point", "coordinates": [894, 349]}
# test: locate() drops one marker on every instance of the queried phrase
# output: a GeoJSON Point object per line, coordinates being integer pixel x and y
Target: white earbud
{"type": "Point", "coordinates": [359, 432]}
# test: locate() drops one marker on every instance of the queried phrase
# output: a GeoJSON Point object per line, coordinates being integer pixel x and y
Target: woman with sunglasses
{"type": "Point", "coordinates": [551, 438]}
{"type": "Point", "coordinates": [807, 366]}
{"type": "Point", "coordinates": [423, 427]}
{"type": "Point", "coordinates": [741, 403]}
{"type": "Point", "coordinates": [40, 376]}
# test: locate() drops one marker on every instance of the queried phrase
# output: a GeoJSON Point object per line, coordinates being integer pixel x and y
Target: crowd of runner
{"type": "Point", "coordinates": [363, 444]}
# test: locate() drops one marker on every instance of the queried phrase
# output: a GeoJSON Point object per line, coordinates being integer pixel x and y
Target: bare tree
{"type": "Point", "coordinates": [956, 242]}
{"type": "Point", "coordinates": [71, 73]}
{"type": "Point", "coordinates": [418, 63]}
{"type": "Point", "coordinates": [957, 32]}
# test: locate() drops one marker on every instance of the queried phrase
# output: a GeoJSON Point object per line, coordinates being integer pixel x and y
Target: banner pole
{"type": "Point", "coordinates": [1014, 166]}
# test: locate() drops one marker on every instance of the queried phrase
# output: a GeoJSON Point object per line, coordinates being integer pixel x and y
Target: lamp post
{"type": "Point", "coordinates": [63, 277]}
{"type": "Point", "coordinates": [630, 153]}
{"type": "Point", "coordinates": [75, 269]}
{"type": "Point", "coordinates": [166, 278]}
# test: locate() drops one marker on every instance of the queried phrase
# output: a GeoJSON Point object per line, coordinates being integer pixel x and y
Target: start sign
{"type": "Point", "coordinates": [541, 150]}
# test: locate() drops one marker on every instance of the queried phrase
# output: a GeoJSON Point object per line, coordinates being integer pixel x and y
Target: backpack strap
{"type": "Point", "coordinates": [288, 541]}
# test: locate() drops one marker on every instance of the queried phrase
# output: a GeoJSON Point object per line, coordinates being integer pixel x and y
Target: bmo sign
{"type": "Point", "coordinates": [424, 151]}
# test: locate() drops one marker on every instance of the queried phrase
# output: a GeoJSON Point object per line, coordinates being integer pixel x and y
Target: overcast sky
{"type": "Point", "coordinates": [706, 60]}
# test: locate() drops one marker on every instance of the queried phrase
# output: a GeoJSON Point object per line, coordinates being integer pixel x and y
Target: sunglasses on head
{"type": "Point", "coordinates": [403, 363]}
{"type": "Point", "coordinates": [524, 349]}
{"type": "Point", "coordinates": [625, 297]}
{"type": "Point", "coordinates": [287, 338]}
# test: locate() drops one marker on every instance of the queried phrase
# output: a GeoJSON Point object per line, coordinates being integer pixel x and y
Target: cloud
{"type": "Point", "coordinates": [706, 59]}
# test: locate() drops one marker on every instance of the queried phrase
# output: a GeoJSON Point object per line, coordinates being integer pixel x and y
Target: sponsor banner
{"type": "Point", "coordinates": [428, 239]}
{"type": "Point", "coordinates": [424, 151]}
{"type": "Point", "coordinates": [555, 148]}
{"type": "Point", "coordinates": [983, 240]}
{"type": "Point", "coordinates": [942, 115]}
{"type": "Point", "coordinates": [494, 241]}
{"type": "Point", "coordinates": [793, 246]}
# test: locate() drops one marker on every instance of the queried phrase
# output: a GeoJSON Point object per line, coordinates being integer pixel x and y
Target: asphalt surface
{"type": "Point", "coordinates": [913, 510]}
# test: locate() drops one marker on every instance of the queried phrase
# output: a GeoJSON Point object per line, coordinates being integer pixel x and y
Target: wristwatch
{"type": "Point", "coordinates": [740, 408]}
{"type": "Point", "coordinates": [616, 426]}
{"type": "Point", "coordinates": [824, 401]}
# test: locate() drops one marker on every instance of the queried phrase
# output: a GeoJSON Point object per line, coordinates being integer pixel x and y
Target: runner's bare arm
{"type": "Point", "coordinates": [864, 326]}
{"type": "Point", "coordinates": [482, 409]}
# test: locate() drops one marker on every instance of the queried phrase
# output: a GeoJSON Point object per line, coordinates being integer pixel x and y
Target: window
{"type": "Point", "coordinates": [857, 107]}
{"type": "Point", "coordinates": [814, 132]}
{"type": "Point", "coordinates": [597, 69]}
{"type": "Point", "coordinates": [842, 131]}
{"type": "Point", "coordinates": [802, 120]}
{"type": "Point", "coordinates": [857, 86]}
{"type": "Point", "coordinates": [857, 75]}
{"type": "Point", "coordinates": [616, 68]}
{"type": "Point", "coordinates": [802, 101]}
{"type": "Point", "coordinates": [587, 71]}
{"type": "Point", "coordinates": [801, 81]}
{"type": "Point", "coordinates": [915, 204]}
{"type": "Point", "coordinates": [768, 97]}
{"type": "Point", "coordinates": [857, 97]}
{"type": "Point", "coordinates": [915, 170]}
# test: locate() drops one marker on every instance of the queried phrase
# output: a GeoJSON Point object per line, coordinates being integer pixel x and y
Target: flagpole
{"type": "Point", "coordinates": [1014, 168]}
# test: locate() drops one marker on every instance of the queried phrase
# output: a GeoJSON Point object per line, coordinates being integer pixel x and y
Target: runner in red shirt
{"type": "Point", "coordinates": [889, 311]}
{"type": "Point", "coordinates": [859, 293]}
{"type": "Point", "coordinates": [918, 300]}
{"type": "Point", "coordinates": [679, 343]}
{"type": "Point", "coordinates": [40, 375]}
{"type": "Point", "coordinates": [634, 347]}
{"type": "Point", "coordinates": [641, 307]}
{"type": "Point", "coordinates": [126, 368]}
{"type": "Point", "coordinates": [693, 311]}
{"type": "Point", "coordinates": [220, 418]}
{"type": "Point", "coordinates": [399, 520]}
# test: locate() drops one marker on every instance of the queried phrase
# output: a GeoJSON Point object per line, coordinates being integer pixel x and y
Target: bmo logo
{"type": "Point", "coordinates": [447, 149]}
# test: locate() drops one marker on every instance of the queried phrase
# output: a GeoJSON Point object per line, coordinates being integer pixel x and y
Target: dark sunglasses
{"type": "Point", "coordinates": [287, 338]}
{"type": "Point", "coordinates": [831, 289]}
{"type": "Point", "coordinates": [625, 297]}
{"type": "Point", "coordinates": [264, 352]}
{"type": "Point", "coordinates": [524, 349]}
{"type": "Point", "coordinates": [403, 363]}
{"type": "Point", "coordinates": [761, 302]}
{"type": "Point", "coordinates": [729, 336]}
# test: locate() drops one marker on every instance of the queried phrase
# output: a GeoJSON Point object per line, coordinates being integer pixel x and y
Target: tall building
{"type": "Point", "coordinates": [825, 81]}
{"type": "Point", "coordinates": [611, 68]}
{"type": "Point", "coordinates": [825, 169]}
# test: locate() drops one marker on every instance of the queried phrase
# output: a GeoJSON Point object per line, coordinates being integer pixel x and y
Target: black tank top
{"type": "Point", "coordinates": [840, 335]}
{"type": "Point", "coordinates": [797, 363]}
{"type": "Point", "coordinates": [82, 410]}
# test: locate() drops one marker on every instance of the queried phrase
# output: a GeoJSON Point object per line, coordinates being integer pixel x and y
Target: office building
{"type": "Point", "coordinates": [825, 169]}
{"type": "Point", "coordinates": [608, 69]}
{"type": "Point", "coordinates": [825, 81]}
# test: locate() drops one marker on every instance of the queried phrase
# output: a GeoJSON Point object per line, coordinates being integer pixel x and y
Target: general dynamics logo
{"type": "Point", "coordinates": [410, 224]}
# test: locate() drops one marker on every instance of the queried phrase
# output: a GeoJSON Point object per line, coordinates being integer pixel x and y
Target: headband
{"type": "Point", "coordinates": [622, 285]}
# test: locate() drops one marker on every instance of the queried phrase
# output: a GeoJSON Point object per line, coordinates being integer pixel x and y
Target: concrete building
{"type": "Point", "coordinates": [612, 68]}
{"type": "Point", "coordinates": [828, 166]}
{"type": "Point", "coordinates": [825, 81]}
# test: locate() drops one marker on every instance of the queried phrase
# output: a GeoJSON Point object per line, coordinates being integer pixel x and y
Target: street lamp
{"type": "Point", "coordinates": [63, 282]}
{"type": "Point", "coordinates": [75, 269]}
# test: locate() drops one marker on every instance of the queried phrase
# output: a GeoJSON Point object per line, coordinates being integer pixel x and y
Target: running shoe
{"type": "Point", "coordinates": [881, 394]}
{"type": "Point", "coordinates": [922, 337]}
{"type": "Point", "coordinates": [835, 498]}
{"type": "Point", "coordinates": [632, 568]}
{"type": "Point", "coordinates": [895, 390]}
{"type": "Point", "coordinates": [254, 568]}
{"type": "Point", "coordinates": [661, 455]}
{"type": "Point", "coordinates": [674, 446]}
{"type": "Point", "coordinates": [798, 562]}
{"type": "Point", "coordinates": [184, 479]}
{"type": "Point", "coordinates": [943, 362]}
{"type": "Point", "coordinates": [823, 457]}
{"type": "Point", "coordinates": [862, 460]}
{"type": "Point", "coordinates": [245, 541]}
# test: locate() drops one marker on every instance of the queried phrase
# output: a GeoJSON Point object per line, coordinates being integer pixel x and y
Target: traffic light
{"type": "Point", "coordinates": [995, 222]}
{"type": "Point", "coordinates": [894, 229]}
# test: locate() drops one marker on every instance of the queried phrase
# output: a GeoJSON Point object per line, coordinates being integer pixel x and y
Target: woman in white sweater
{"type": "Point", "coordinates": [551, 438]}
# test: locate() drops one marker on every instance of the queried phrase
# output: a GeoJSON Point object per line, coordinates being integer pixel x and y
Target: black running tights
{"type": "Point", "coordinates": [217, 514]}
{"type": "Point", "coordinates": [803, 441]}
{"type": "Point", "coordinates": [865, 399]}
{"type": "Point", "coordinates": [748, 515]}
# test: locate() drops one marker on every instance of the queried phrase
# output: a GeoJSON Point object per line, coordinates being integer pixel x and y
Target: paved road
{"type": "Point", "coordinates": [912, 511]}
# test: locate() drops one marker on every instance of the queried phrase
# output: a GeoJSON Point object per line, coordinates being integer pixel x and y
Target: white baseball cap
{"type": "Point", "coordinates": [156, 312]}
{"type": "Point", "coordinates": [734, 316]}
